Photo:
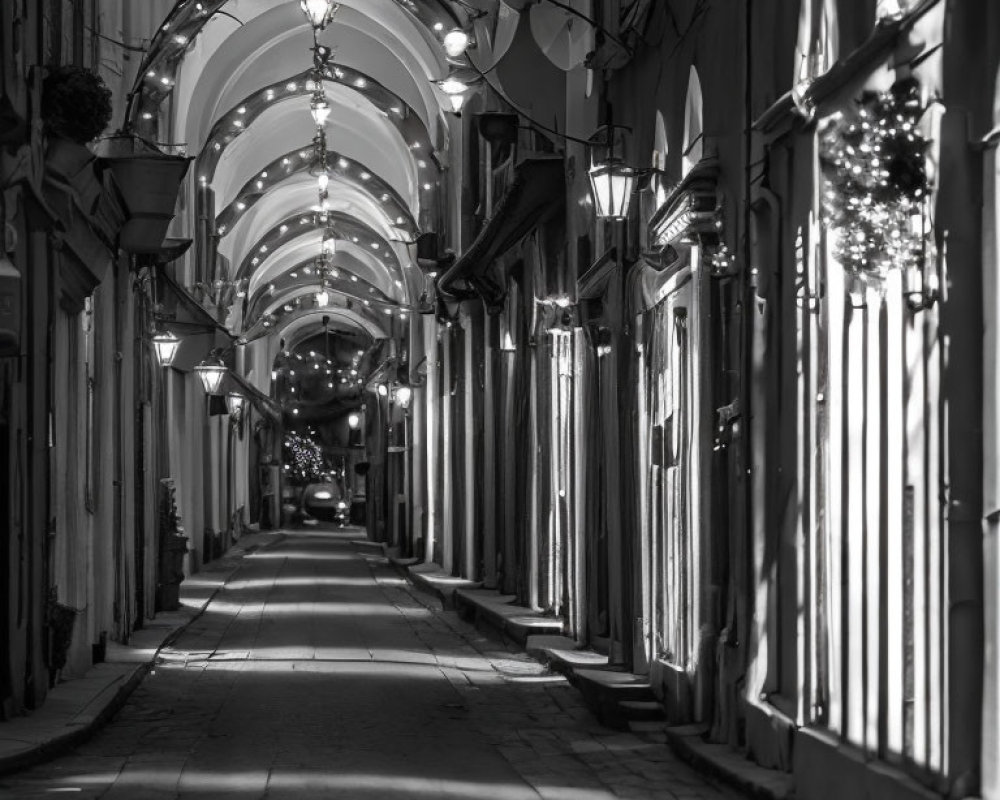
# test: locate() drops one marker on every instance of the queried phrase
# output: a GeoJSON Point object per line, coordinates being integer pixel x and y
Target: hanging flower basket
{"type": "Point", "coordinates": [149, 180]}
{"type": "Point", "coordinates": [874, 160]}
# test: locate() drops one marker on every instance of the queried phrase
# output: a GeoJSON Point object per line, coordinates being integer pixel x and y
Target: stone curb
{"type": "Point", "coordinates": [58, 744]}
{"type": "Point", "coordinates": [729, 766]}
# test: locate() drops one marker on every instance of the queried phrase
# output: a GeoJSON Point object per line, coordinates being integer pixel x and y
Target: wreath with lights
{"type": "Point", "coordinates": [303, 458]}
{"type": "Point", "coordinates": [874, 161]}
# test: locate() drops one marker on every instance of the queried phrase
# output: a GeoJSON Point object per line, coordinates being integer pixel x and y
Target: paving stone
{"type": "Point", "coordinates": [315, 672]}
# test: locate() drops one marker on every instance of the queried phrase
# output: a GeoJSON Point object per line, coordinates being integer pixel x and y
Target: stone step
{"type": "Point", "coordinates": [489, 607]}
{"type": "Point", "coordinates": [605, 691]}
{"type": "Point", "coordinates": [432, 579]}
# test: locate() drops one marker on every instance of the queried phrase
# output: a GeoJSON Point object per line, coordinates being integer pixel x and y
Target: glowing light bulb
{"type": "Point", "coordinates": [456, 42]}
{"type": "Point", "coordinates": [452, 86]}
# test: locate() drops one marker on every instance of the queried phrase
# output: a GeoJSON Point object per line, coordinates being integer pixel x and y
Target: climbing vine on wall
{"type": "Point", "coordinates": [874, 161]}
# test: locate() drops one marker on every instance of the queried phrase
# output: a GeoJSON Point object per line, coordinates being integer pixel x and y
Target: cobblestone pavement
{"type": "Point", "coordinates": [317, 672]}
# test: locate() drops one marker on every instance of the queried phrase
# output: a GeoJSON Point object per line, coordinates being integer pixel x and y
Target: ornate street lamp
{"type": "Point", "coordinates": [319, 13]}
{"type": "Point", "coordinates": [611, 180]}
{"type": "Point", "coordinates": [211, 371]}
{"type": "Point", "coordinates": [612, 183]}
{"type": "Point", "coordinates": [166, 345]}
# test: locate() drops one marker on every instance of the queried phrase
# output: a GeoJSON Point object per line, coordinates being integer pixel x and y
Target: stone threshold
{"type": "Point", "coordinates": [617, 698]}
{"type": "Point", "coordinates": [75, 709]}
{"type": "Point", "coordinates": [626, 701]}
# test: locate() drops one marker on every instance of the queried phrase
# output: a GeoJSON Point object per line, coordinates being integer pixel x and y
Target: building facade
{"type": "Point", "coordinates": [739, 433]}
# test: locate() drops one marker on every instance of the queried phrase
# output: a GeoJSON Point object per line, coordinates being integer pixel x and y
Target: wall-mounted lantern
{"type": "Point", "coordinates": [166, 346]}
{"type": "Point", "coordinates": [234, 404]}
{"type": "Point", "coordinates": [612, 183]}
{"type": "Point", "coordinates": [211, 371]}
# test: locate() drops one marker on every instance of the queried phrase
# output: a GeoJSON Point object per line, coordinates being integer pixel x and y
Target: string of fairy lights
{"type": "Point", "coordinates": [874, 159]}
{"type": "Point", "coordinates": [303, 458]}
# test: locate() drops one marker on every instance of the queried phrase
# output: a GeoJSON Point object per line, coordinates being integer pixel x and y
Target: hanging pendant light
{"type": "Point", "coordinates": [323, 181]}
{"type": "Point", "coordinates": [319, 107]}
{"type": "Point", "coordinates": [211, 371]}
{"type": "Point", "coordinates": [319, 13]}
{"type": "Point", "coordinates": [166, 345]}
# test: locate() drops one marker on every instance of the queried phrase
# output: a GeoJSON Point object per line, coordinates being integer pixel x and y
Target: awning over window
{"type": "Point", "coordinates": [535, 194]}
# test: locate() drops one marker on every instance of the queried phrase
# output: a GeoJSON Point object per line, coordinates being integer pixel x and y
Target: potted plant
{"type": "Point", "coordinates": [149, 181]}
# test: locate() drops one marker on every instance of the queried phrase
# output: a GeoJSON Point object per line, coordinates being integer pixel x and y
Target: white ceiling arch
{"type": "Point", "coordinates": [304, 323]}
{"type": "Point", "coordinates": [341, 227]}
{"type": "Point", "coordinates": [349, 258]}
{"type": "Point", "coordinates": [291, 197]}
{"type": "Point", "coordinates": [353, 133]}
{"type": "Point", "coordinates": [227, 62]}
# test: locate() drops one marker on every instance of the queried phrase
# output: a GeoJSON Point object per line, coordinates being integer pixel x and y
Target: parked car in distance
{"type": "Point", "coordinates": [325, 501]}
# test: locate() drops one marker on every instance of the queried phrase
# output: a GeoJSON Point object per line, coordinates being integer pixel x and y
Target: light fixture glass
{"type": "Point", "coordinates": [353, 421]}
{"type": "Point", "coordinates": [166, 345]}
{"type": "Point", "coordinates": [234, 403]}
{"type": "Point", "coordinates": [319, 13]}
{"type": "Point", "coordinates": [383, 390]}
{"type": "Point", "coordinates": [612, 183]}
{"type": "Point", "coordinates": [319, 107]}
{"type": "Point", "coordinates": [452, 86]}
{"type": "Point", "coordinates": [457, 102]}
{"type": "Point", "coordinates": [211, 371]}
{"type": "Point", "coordinates": [456, 42]}
{"type": "Point", "coordinates": [322, 298]}
{"type": "Point", "coordinates": [329, 244]}
{"type": "Point", "coordinates": [323, 180]}
{"type": "Point", "coordinates": [403, 395]}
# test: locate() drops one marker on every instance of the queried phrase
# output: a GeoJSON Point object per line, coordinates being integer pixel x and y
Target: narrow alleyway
{"type": "Point", "coordinates": [318, 672]}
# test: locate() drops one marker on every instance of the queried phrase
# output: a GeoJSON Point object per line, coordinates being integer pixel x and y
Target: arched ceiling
{"type": "Point", "coordinates": [240, 75]}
